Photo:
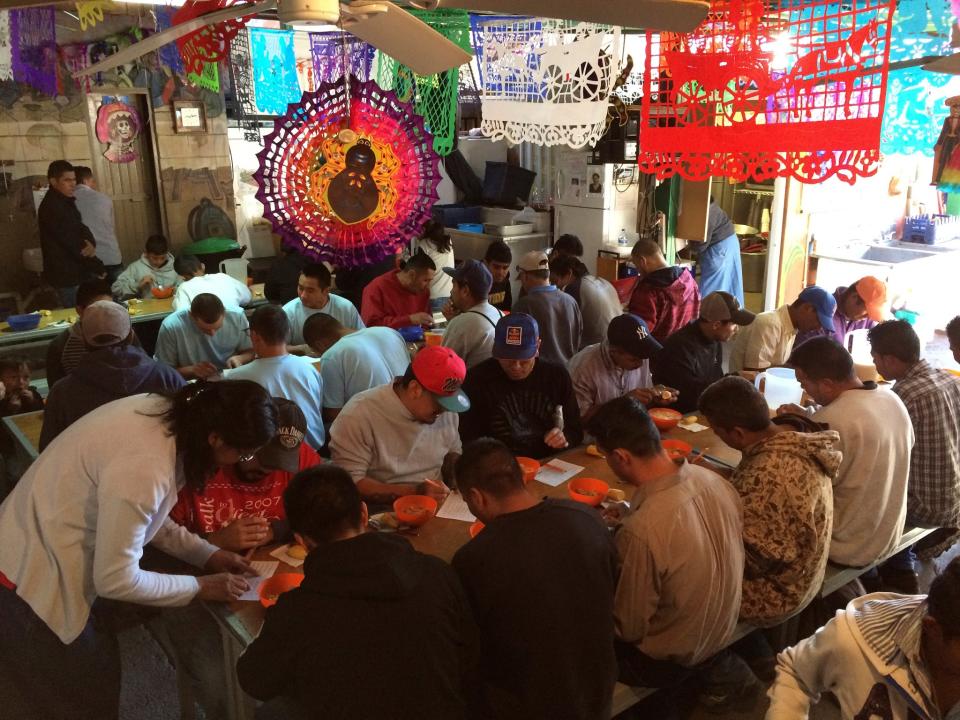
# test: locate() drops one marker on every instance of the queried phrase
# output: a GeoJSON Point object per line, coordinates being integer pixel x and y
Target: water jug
{"type": "Point", "coordinates": [781, 387]}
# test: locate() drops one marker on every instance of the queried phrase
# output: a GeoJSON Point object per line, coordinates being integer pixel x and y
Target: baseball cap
{"type": "Point", "coordinates": [283, 450]}
{"type": "Point", "coordinates": [824, 303]}
{"type": "Point", "coordinates": [105, 323]}
{"type": "Point", "coordinates": [441, 373]}
{"type": "Point", "coordinates": [534, 260]}
{"type": "Point", "coordinates": [474, 274]}
{"type": "Point", "coordinates": [873, 292]}
{"type": "Point", "coordinates": [721, 306]}
{"type": "Point", "coordinates": [631, 334]}
{"type": "Point", "coordinates": [515, 337]}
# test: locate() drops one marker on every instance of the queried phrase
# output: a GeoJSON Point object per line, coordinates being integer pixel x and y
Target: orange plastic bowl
{"type": "Point", "coordinates": [475, 528]}
{"type": "Point", "coordinates": [665, 418]}
{"type": "Point", "coordinates": [529, 466]}
{"type": "Point", "coordinates": [161, 293]}
{"type": "Point", "coordinates": [677, 449]}
{"type": "Point", "coordinates": [275, 586]}
{"type": "Point", "coordinates": [414, 510]}
{"type": "Point", "coordinates": [588, 490]}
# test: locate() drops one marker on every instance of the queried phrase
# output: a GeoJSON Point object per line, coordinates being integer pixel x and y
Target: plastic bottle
{"type": "Point", "coordinates": [622, 237]}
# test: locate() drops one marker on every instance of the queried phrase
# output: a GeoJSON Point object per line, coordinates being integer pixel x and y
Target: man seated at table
{"type": "Point", "coordinates": [67, 348]}
{"type": "Point", "coordinates": [597, 298]}
{"type": "Point", "coordinates": [692, 358]}
{"type": "Point", "coordinates": [499, 260]}
{"type": "Point", "coordinates": [540, 575]}
{"type": "Point", "coordinates": [112, 368]}
{"type": "Point", "coordinates": [860, 306]}
{"type": "Point", "coordinates": [768, 340]}
{"type": "Point", "coordinates": [154, 269]}
{"type": "Point", "coordinates": [665, 296]}
{"type": "Point", "coordinates": [353, 360]}
{"type": "Point", "coordinates": [556, 313]}
{"type": "Point", "coordinates": [281, 374]}
{"type": "Point", "coordinates": [239, 508]}
{"type": "Point", "coordinates": [400, 298]}
{"type": "Point", "coordinates": [785, 485]}
{"type": "Point", "coordinates": [196, 280]}
{"type": "Point", "coordinates": [932, 399]}
{"type": "Point", "coordinates": [376, 629]}
{"type": "Point", "coordinates": [876, 437]}
{"type": "Point", "coordinates": [681, 561]}
{"type": "Point", "coordinates": [616, 367]}
{"type": "Point", "coordinates": [314, 296]}
{"type": "Point", "coordinates": [523, 401]}
{"type": "Point", "coordinates": [884, 656]}
{"type": "Point", "coordinates": [202, 340]}
{"type": "Point", "coordinates": [401, 438]}
{"type": "Point", "coordinates": [469, 332]}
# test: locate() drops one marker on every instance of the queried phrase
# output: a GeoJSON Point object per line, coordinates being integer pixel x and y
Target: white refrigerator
{"type": "Point", "coordinates": [593, 202]}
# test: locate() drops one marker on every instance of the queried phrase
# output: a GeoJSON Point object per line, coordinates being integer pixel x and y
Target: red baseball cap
{"type": "Point", "coordinates": [441, 373]}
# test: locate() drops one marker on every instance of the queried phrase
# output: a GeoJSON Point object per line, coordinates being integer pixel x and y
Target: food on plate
{"type": "Point", "coordinates": [586, 492]}
{"type": "Point", "coordinates": [689, 420]}
{"type": "Point", "coordinates": [594, 450]}
{"type": "Point", "coordinates": [616, 495]}
{"type": "Point", "coordinates": [389, 520]}
{"type": "Point", "coordinates": [297, 551]}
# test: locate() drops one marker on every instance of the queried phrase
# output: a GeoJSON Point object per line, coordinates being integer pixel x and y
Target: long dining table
{"type": "Point", "coordinates": [240, 622]}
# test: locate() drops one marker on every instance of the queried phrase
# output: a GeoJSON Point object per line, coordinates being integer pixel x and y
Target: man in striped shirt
{"type": "Point", "coordinates": [932, 398]}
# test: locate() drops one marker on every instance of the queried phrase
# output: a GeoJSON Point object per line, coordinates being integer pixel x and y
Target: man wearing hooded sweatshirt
{"type": "Point", "coordinates": [785, 485]}
{"type": "Point", "coordinates": [376, 629]}
{"type": "Point", "coordinates": [153, 269]}
{"type": "Point", "coordinates": [895, 657]}
{"type": "Point", "coordinates": [665, 296]}
{"type": "Point", "coordinates": [112, 369]}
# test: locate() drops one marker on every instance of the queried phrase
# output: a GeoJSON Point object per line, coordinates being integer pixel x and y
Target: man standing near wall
{"type": "Point", "coordinates": [65, 241]}
{"type": "Point", "coordinates": [96, 211]}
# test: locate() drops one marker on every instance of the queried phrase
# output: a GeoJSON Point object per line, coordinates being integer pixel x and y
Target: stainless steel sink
{"type": "Point", "coordinates": [892, 255]}
{"type": "Point", "coordinates": [942, 248]}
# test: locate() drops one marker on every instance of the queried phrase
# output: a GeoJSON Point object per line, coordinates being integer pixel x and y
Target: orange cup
{"type": "Point", "coordinates": [433, 338]}
{"type": "Point", "coordinates": [274, 587]}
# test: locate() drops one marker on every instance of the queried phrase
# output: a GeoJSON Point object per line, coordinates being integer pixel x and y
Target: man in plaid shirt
{"type": "Point", "coordinates": [932, 398]}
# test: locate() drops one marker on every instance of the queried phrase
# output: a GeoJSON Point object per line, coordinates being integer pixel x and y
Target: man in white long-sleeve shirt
{"type": "Point", "coordinates": [895, 657]}
{"type": "Point", "coordinates": [876, 437]}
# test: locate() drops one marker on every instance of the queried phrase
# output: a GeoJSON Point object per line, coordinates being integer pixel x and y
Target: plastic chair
{"type": "Point", "coordinates": [235, 268]}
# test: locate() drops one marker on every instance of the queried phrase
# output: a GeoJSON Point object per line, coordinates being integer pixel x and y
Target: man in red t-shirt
{"type": "Point", "coordinates": [242, 506]}
{"type": "Point", "coordinates": [400, 298]}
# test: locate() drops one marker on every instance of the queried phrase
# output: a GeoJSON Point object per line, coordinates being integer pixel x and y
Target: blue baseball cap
{"type": "Point", "coordinates": [824, 303]}
{"type": "Point", "coordinates": [631, 334]}
{"type": "Point", "coordinates": [516, 337]}
{"type": "Point", "coordinates": [474, 274]}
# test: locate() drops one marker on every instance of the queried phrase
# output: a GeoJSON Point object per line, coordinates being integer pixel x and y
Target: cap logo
{"type": "Point", "coordinates": [642, 332]}
{"type": "Point", "coordinates": [450, 385]}
{"type": "Point", "coordinates": [290, 437]}
{"type": "Point", "coordinates": [514, 335]}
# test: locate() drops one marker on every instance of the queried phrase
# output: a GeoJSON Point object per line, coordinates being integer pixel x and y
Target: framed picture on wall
{"type": "Point", "coordinates": [189, 116]}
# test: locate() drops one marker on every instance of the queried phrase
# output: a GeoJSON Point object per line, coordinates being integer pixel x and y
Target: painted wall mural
{"type": "Point", "coordinates": [118, 126]}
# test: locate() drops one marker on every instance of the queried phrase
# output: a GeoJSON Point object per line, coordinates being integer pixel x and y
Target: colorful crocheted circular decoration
{"type": "Point", "coordinates": [350, 203]}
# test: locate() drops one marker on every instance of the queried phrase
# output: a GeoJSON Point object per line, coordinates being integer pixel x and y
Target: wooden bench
{"type": "Point", "coordinates": [625, 696]}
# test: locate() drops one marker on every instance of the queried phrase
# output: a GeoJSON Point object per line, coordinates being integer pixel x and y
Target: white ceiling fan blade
{"type": "Point", "coordinates": [158, 40]}
{"type": "Point", "coordinates": [403, 37]}
{"type": "Point", "coordinates": [949, 65]}
{"type": "Point", "coordinates": [671, 15]}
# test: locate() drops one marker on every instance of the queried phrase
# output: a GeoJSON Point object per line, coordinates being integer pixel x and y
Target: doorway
{"type": "Point", "coordinates": [124, 165]}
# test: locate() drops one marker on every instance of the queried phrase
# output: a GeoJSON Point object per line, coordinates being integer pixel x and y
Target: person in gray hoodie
{"type": "Point", "coordinates": [153, 269]}
{"type": "Point", "coordinates": [112, 369]}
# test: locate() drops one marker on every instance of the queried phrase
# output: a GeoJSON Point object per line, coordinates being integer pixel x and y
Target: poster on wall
{"type": "Point", "coordinates": [118, 126]}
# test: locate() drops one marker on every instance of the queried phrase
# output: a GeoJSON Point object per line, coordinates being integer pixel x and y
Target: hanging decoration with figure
{"type": "Point", "coordinates": [946, 153]}
{"type": "Point", "coordinates": [118, 126]}
{"type": "Point", "coordinates": [349, 174]}
{"type": "Point", "coordinates": [792, 92]}
{"type": "Point", "coordinates": [546, 81]}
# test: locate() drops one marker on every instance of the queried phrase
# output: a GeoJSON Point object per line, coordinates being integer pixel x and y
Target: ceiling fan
{"type": "Point", "coordinates": [405, 37]}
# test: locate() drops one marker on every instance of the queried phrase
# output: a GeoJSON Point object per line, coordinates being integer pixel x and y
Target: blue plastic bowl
{"type": "Point", "coordinates": [23, 322]}
{"type": "Point", "coordinates": [470, 227]}
{"type": "Point", "coordinates": [411, 333]}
